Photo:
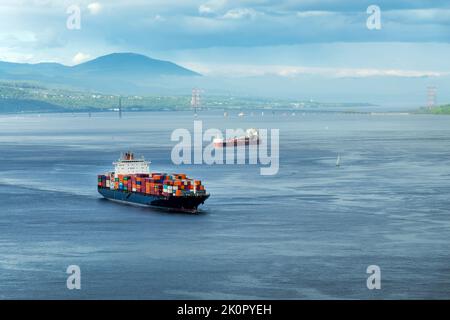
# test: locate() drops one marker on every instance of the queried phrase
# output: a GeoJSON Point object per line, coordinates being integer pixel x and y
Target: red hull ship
{"type": "Point", "coordinates": [251, 137]}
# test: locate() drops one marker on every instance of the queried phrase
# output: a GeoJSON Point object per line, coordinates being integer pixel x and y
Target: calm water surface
{"type": "Point", "coordinates": [308, 232]}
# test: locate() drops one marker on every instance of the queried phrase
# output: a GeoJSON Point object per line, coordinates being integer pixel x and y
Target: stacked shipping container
{"type": "Point", "coordinates": [159, 184]}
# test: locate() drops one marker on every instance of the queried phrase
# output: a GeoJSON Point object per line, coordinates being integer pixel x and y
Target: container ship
{"type": "Point", "coordinates": [132, 182]}
{"type": "Point", "coordinates": [251, 137]}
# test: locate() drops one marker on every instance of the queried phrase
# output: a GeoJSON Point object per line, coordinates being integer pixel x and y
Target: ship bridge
{"type": "Point", "coordinates": [127, 164]}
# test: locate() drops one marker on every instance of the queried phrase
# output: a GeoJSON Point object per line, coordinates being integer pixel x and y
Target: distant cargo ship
{"type": "Point", "coordinates": [132, 182]}
{"type": "Point", "coordinates": [251, 137]}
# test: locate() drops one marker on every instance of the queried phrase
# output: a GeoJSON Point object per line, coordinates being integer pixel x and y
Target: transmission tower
{"type": "Point", "coordinates": [431, 97]}
{"type": "Point", "coordinates": [195, 100]}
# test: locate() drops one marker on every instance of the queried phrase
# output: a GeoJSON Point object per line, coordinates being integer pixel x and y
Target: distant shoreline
{"type": "Point", "coordinates": [248, 113]}
{"type": "Point", "coordinates": [21, 97]}
{"type": "Point", "coordinates": [438, 110]}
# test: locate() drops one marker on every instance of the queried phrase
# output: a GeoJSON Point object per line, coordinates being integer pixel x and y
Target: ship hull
{"type": "Point", "coordinates": [180, 204]}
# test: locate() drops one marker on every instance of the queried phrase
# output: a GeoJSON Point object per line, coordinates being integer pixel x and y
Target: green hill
{"type": "Point", "coordinates": [443, 109]}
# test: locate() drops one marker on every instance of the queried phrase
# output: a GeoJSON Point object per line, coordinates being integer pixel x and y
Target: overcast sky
{"type": "Point", "coordinates": [227, 37]}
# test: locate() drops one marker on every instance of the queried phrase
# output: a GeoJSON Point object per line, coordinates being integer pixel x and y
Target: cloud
{"type": "Point", "coordinates": [239, 70]}
{"type": "Point", "coordinates": [362, 73]}
{"type": "Point", "coordinates": [353, 5]}
{"type": "Point", "coordinates": [18, 37]}
{"type": "Point", "coordinates": [80, 57]}
{"type": "Point", "coordinates": [220, 23]}
{"type": "Point", "coordinates": [314, 14]}
{"type": "Point", "coordinates": [419, 16]}
{"type": "Point", "coordinates": [211, 6]}
{"type": "Point", "coordinates": [94, 7]}
{"type": "Point", "coordinates": [11, 56]}
{"type": "Point", "coordinates": [240, 13]}
{"type": "Point", "coordinates": [204, 9]}
{"type": "Point", "coordinates": [159, 27]}
{"type": "Point", "coordinates": [158, 18]}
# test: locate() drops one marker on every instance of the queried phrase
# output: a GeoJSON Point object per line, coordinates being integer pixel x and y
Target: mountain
{"type": "Point", "coordinates": [116, 72]}
{"type": "Point", "coordinates": [131, 63]}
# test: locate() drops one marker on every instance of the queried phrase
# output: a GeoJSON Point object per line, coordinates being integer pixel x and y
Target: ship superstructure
{"type": "Point", "coordinates": [127, 164]}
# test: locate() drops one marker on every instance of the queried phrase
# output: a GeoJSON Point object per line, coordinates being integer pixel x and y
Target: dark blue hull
{"type": "Point", "coordinates": [183, 204]}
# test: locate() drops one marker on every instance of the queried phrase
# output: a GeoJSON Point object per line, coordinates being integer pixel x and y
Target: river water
{"type": "Point", "coordinates": [308, 232]}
